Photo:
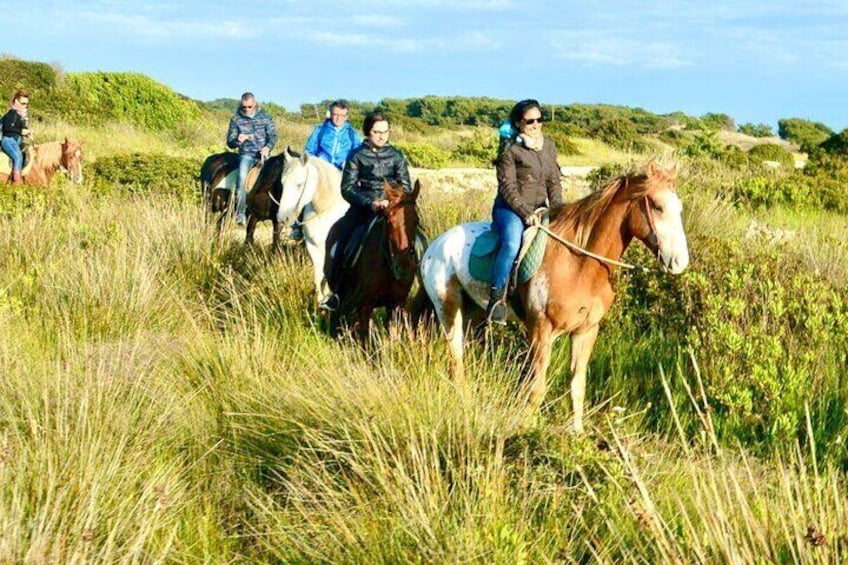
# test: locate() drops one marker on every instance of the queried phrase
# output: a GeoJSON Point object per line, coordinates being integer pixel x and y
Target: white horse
{"type": "Point", "coordinates": [312, 185]}
{"type": "Point", "coordinates": [571, 291]}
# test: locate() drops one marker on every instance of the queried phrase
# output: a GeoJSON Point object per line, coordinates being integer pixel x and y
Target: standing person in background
{"type": "Point", "coordinates": [253, 133]}
{"type": "Point", "coordinates": [332, 140]}
{"type": "Point", "coordinates": [528, 178]}
{"type": "Point", "coordinates": [15, 127]}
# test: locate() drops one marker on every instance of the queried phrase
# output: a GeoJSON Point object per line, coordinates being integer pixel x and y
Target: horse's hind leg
{"type": "Point", "coordinates": [581, 349]}
{"type": "Point", "coordinates": [251, 228]}
{"type": "Point", "coordinates": [541, 341]}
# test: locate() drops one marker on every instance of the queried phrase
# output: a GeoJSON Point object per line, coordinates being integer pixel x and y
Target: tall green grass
{"type": "Point", "coordinates": [169, 396]}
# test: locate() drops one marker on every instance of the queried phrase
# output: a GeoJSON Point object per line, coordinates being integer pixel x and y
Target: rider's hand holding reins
{"type": "Point", "coordinates": [380, 205]}
{"type": "Point", "coordinates": [532, 221]}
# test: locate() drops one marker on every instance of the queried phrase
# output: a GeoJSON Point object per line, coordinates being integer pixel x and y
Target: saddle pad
{"type": "Point", "coordinates": [481, 260]}
{"type": "Point", "coordinates": [353, 248]}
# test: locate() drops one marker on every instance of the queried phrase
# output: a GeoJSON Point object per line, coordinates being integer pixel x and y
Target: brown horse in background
{"type": "Point", "coordinates": [48, 158]}
{"type": "Point", "coordinates": [386, 268]}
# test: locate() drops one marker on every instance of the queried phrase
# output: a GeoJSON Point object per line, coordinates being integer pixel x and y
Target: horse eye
{"type": "Point", "coordinates": [657, 207]}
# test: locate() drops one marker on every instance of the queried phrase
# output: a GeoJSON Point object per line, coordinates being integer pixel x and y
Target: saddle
{"type": "Point", "coordinates": [482, 256]}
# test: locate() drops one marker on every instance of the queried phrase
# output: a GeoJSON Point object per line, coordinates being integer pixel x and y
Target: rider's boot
{"type": "Point", "coordinates": [496, 309]}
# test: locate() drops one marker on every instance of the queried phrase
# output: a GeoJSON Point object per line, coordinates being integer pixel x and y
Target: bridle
{"type": "Point", "coordinates": [399, 272]}
{"type": "Point", "coordinates": [299, 205]}
{"type": "Point", "coordinates": [652, 236]}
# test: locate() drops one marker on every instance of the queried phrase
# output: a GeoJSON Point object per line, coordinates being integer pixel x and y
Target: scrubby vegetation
{"type": "Point", "coordinates": [169, 396]}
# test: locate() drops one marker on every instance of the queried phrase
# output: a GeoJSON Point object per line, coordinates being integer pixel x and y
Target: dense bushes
{"type": "Point", "coordinates": [805, 133]}
{"type": "Point", "coordinates": [760, 323]}
{"type": "Point", "coordinates": [133, 98]}
{"type": "Point", "coordinates": [148, 174]}
{"type": "Point", "coordinates": [423, 155]}
{"type": "Point", "coordinates": [771, 152]}
{"type": "Point", "coordinates": [758, 130]}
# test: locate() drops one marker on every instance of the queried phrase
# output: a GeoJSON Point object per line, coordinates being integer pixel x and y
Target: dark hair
{"type": "Point", "coordinates": [340, 104]}
{"type": "Point", "coordinates": [18, 94]}
{"type": "Point", "coordinates": [372, 119]}
{"type": "Point", "coordinates": [248, 96]}
{"type": "Point", "coordinates": [518, 111]}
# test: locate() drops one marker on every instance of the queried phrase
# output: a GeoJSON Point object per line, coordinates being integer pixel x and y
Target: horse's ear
{"type": "Point", "coordinates": [288, 153]}
{"type": "Point", "coordinates": [65, 142]}
{"type": "Point", "coordinates": [304, 158]}
{"type": "Point", "coordinates": [416, 189]}
{"type": "Point", "coordinates": [672, 172]}
{"type": "Point", "coordinates": [653, 169]}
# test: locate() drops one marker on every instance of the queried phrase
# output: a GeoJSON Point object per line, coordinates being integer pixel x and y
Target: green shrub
{"type": "Point", "coordinates": [837, 143]}
{"type": "Point", "coordinates": [424, 156]}
{"type": "Point", "coordinates": [479, 150]}
{"type": "Point", "coordinates": [674, 137]}
{"type": "Point", "coordinates": [758, 130]}
{"type": "Point", "coordinates": [760, 323]}
{"type": "Point", "coordinates": [805, 133]}
{"type": "Point", "coordinates": [129, 97]}
{"type": "Point", "coordinates": [705, 144]}
{"type": "Point", "coordinates": [619, 133]}
{"type": "Point", "coordinates": [148, 174]}
{"type": "Point", "coordinates": [734, 157]}
{"type": "Point", "coordinates": [716, 121]}
{"type": "Point", "coordinates": [771, 152]}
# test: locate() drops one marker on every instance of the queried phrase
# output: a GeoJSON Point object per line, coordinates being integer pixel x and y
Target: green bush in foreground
{"type": "Point", "coordinates": [423, 155]}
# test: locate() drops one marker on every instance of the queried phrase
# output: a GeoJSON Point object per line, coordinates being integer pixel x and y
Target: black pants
{"type": "Point", "coordinates": [339, 236]}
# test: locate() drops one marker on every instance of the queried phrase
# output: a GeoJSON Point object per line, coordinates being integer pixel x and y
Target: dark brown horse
{"type": "Point", "coordinates": [572, 289]}
{"type": "Point", "coordinates": [386, 268]}
{"type": "Point", "coordinates": [47, 159]}
{"type": "Point", "coordinates": [219, 182]}
{"type": "Point", "coordinates": [263, 200]}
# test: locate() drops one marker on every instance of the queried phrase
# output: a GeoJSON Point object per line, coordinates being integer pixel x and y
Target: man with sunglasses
{"type": "Point", "coordinates": [253, 133]}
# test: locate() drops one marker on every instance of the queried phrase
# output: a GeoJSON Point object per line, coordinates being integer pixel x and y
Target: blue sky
{"type": "Point", "coordinates": [755, 60]}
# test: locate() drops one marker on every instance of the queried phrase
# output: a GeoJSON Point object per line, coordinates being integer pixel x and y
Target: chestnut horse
{"type": "Point", "coordinates": [386, 267]}
{"type": "Point", "coordinates": [572, 289]}
{"type": "Point", "coordinates": [47, 159]}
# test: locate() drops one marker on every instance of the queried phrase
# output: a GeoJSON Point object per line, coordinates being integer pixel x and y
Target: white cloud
{"type": "Point", "coordinates": [595, 47]}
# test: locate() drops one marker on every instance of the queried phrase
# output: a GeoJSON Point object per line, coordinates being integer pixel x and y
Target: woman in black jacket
{"type": "Point", "coordinates": [15, 126]}
{"type": "Point", "coordinates": [365, 170]}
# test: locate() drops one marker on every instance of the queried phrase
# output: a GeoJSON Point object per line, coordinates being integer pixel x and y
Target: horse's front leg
{"type": "Point", "coordinates": [276, 245]}
{"type": "Point", "coordinates": [362, 326]}
{"type": "Point", "coordinates": [316, 254]}
{"type": "Point", "coordinates": [540, 333]}
{"type": "Point", "coordinates": [581, 350]}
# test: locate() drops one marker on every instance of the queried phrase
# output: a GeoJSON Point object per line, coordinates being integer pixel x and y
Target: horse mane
{"type": "Point", "coordinates": [48, 153]}
{"type": "Point", "coordinates": [330, 178]}
{"type": "Point", "coordinates": [581, 216]}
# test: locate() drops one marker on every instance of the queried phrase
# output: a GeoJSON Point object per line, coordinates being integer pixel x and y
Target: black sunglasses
{"type": "Point", "coordinates": [532, 121]}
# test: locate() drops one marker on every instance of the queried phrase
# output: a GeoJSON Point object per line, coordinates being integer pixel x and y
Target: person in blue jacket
{"type": "Point", "coordinates": [253, 132]}
{"type": "Point", "coordinates": [333, 140]}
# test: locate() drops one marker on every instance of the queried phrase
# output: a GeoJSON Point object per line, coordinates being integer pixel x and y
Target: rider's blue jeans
{"type": "Point", "coordinates": [246, 162]}
{"type": "Point", "coordinates": [11, 146]}
{"type": "Point", "coordinates": [509, 227]}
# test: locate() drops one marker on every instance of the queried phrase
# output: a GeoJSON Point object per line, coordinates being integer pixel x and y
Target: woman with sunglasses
{"type": "Point", "coordinates": [15, 127]}
{"type": "Point", "coordinates": [528, 178]}
{"type": "Point", "coordinates": [365, 170]}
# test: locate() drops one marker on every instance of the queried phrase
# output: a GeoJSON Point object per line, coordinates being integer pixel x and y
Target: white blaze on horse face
{"type": "Point", "coordinates": [298, 189]}
{"type": "Point", "coordinates": [673, 250]}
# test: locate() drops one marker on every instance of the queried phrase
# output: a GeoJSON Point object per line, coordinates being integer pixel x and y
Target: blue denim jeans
{"type": "Point", "coordinates": [509, 227]}
{"type": "Point", "coordinates": [12, 147]}
{"type": "Point", "coordinates": [246, 162]}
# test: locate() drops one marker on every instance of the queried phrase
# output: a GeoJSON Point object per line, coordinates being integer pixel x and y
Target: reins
{"type": "Point", "coordinates": [601, 258]}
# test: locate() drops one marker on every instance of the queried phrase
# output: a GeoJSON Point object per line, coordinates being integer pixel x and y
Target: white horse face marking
{"type": "Point", "coordinates": [673, 250]}
{"type": "Point", "coordinates": [298, 189]}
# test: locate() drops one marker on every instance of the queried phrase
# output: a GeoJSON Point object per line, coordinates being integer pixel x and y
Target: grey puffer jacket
{"type": "Point", "coordinates": [528, 179]}
{"type": "Point", "coordinates": [365, 170]}
{"type": "Point", "coordinates": [260, 127]}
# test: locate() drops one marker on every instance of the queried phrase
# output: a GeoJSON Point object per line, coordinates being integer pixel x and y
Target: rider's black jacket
{"type": "Point", "coordinates": [365, 170]}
